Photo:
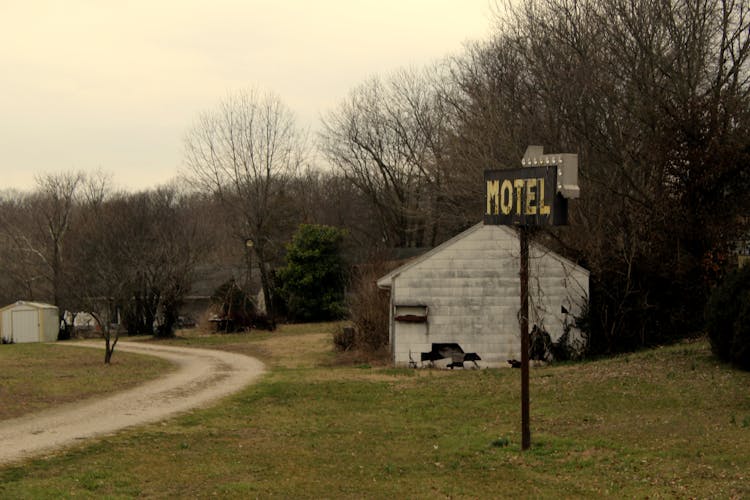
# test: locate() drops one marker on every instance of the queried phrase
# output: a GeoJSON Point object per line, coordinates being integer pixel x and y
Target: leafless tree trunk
{"type": "Point", "coordinates": [22, 273]}
{"type": "Point", "coordinates": [245, 153]}
{"type": "Point", "coordinates": [55, 204]}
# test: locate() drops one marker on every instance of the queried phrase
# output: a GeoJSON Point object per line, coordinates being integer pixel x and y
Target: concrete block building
{"type": "Point", "coordinates": [464, 297]}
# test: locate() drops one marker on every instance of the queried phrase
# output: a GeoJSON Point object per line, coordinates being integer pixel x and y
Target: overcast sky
{"type": "Point", "coordinates": [87, 84]}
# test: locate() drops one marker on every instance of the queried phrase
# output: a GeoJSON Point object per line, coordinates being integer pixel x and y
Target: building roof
{"type": "Point", "coordinates": [386, 280]}
{"type": "Point", "coordinates": [35, 305]}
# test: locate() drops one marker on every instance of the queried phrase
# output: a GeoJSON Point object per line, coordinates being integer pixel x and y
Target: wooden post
{"type": "Point", "coordinates": [523, 232]}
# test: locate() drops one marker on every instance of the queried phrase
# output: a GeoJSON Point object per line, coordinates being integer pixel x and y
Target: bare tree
{"type": "Point", "coordinates": [22, 273]}
{"type": "Point", "coordinates": [178, 246]}
{"type": "Point", "coordinates": [245, 152]}
{"type": "Point", "coordinates": [38, 229]}
{"type": "Point", "coordinates": [386, 138]}
{"type": "Point", "coordinates": [653, 96]}
{"type": "Point", "coordinates": [55, 203]}
{"type": "Point", "coordinates": [328, 198]}
{"type": "Point", "coordinates": [101, 279]}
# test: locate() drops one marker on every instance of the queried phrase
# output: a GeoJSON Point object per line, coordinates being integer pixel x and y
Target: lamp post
{"type": "Point", "coordinates": [249, 261]}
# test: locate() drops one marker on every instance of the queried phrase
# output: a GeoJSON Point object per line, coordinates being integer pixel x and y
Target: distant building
{"type": "Point", "coordinates": [207, 280]}
{"type": "Point", "coordinates": [462, 300]}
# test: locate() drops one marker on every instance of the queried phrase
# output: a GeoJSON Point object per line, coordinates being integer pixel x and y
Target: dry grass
{"type": "Point", "coordinates": [664, 423]}
{"type": "Point", "coordinates": [39, 376]}
{"type": "Point", "coordinates": [290, 346]}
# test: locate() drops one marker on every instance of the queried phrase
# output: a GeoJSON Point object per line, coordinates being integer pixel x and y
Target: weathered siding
{"type": "Point", "coordinates": [470, 286]}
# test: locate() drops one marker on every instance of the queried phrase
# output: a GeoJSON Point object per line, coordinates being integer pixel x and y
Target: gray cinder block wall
{"type": "Point", "coordinates": [467, 291]}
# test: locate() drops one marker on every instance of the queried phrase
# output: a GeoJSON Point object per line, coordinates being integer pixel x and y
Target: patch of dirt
{"type": "Point", "coordinates": [203, 376]}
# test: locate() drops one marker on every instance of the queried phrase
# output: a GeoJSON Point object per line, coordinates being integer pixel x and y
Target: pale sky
{"type": "Point", "coordinates": [115, 85]}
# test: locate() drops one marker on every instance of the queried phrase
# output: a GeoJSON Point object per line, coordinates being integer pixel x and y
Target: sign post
{"type": "Point", "coordinates": [535, 195]}
{"type": "Point", "coordinates": [523, 233]}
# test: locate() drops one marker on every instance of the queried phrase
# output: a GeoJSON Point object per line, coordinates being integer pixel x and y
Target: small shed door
{"type": "Point", "coordinates": [25, 326]}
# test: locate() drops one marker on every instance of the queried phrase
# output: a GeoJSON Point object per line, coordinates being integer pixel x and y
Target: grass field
{"type": "Point", "coordinates": [34, 377]}
{"type": "Point", "coordinates": [670, 422]}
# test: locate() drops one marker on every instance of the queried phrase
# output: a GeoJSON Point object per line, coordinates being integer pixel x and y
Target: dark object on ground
{"type": "Point", "coordinates": [514, 363]}
{"type": "Point", "coordinates": [541, 344]}
{"type": "Point", "coordinates": [255, 322]}
{"type": "Point", "coordinates": [185, 322]}
{"type": "Point", "coordinates": [451, 351]}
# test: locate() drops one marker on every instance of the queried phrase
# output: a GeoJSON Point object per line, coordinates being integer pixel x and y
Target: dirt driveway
{"type": "Point", "coordinates": [202, 377]}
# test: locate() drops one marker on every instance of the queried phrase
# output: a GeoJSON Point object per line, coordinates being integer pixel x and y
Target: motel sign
{"type": "Point", "coordinates": [535, 195]}
{"type": "Point", "coordinates": [524, 197]}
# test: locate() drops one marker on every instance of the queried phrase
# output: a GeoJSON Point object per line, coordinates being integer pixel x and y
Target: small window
{"type": "Point", "coordinates": [411, 313]}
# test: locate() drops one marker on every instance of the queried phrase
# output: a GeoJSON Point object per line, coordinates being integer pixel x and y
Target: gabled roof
{"type": "Point", "coordinates": [35, 305]}
{"type": "Point", "coordinates": [385, 281]}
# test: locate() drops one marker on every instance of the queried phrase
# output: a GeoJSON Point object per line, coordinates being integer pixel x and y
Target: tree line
{"type": "Point", "coordinates": [653, 96]}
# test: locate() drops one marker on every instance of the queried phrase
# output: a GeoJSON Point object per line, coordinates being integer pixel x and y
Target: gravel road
{"type": "Point", "coordinates": [202, 377]}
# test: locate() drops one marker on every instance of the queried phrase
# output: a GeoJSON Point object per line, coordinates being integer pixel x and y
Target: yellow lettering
{"type": "Point", "coordinates": [506, 197]}
{"type": "Point", "coordinates": [493, 193]}
{"type": "Point", "coordinates": [530, 197]}
{"type": "Point", "coordinates": [543, 209]}
{"type": "Point", "coordinates": [517, 197]}
{"type": "Point", "coordinates": [518, 185]}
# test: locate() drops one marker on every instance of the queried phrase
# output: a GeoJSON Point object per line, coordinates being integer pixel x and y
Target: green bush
{"type": "Point", "coordinates": [728, 319]}
{"type": "Point", "coordinates": [313, 280]}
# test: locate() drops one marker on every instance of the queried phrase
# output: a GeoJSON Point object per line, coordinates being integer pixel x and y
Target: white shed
{"type": "Point", "coordinates": [29, 322]}
{"type": "Point", "coordinates": [464, 297]}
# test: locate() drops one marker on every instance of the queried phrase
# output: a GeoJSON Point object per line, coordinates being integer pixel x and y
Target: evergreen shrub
{"type": "Point", "coordinates": [728, 319]}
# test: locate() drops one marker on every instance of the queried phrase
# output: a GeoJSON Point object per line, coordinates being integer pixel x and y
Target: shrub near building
{"type": "Point", "coordinates": [728, 319]}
